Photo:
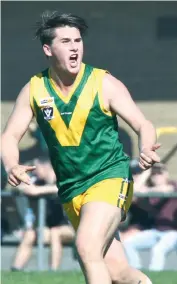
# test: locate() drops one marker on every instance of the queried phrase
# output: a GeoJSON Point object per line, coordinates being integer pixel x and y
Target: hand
{"type": "Point", "coordinates": [148, 157]}
{"type": "Point", "coordinates": [19, 174]}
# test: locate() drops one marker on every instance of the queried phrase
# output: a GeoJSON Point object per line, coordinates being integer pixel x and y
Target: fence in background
{"type": "Point", "coordinates": [42, 213]}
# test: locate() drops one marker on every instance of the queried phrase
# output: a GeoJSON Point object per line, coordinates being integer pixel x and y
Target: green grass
{"type": "Point", "coordinates": [166, 277]}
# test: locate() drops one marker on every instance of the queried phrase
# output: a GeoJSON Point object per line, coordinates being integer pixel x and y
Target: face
{"type": "Point", "coordinates": [66, 50]}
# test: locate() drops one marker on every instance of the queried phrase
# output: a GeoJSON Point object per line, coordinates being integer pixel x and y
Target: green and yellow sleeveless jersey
{"type": "Point", "coordinates": [82, 136]}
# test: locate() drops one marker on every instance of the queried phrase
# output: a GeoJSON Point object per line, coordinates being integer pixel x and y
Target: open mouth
{"type": "Point", "coordinates": [73, 58]}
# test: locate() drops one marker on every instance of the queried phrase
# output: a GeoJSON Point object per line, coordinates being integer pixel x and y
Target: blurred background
{"type": "Point", "coordinates": [137, 43]}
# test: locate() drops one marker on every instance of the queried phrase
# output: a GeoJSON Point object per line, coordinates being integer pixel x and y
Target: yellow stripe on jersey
{"type": "Point", "coordinates": [69, 136]}
{"type": "Point", "coordinates": [67, 98]}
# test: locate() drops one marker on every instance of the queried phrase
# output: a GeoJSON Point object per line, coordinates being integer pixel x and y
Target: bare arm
{"type": "Point", "coordinates": [15, 129]}
{"type": "Point", "coordinates": [35, 190]}
{"type": "Point", "coordinates": [120, 101]}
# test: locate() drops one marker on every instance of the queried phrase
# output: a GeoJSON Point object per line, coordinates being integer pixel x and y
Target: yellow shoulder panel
{"type": "Point", "coordinates": [100, 73]}
{"type": "Point", "coordinates": [36, 88]}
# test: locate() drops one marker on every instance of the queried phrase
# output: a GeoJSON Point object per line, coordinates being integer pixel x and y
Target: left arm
{"type": "Point", "coordinates": [35, 190]}
{"type": "Point", "coordinates": [120, 101]}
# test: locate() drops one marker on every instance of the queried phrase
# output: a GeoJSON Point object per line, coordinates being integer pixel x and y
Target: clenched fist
{"type": "Point", "coordinates": [148, 157]}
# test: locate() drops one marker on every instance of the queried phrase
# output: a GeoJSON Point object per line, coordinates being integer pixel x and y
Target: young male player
{"type": "Point", "coordinates": [75, 106]}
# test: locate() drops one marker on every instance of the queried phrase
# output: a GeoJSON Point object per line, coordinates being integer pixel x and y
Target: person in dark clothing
{"type": "Point", "coordinates": [58, 229]}
{"type": "Point", "coordinates": [161, 238]}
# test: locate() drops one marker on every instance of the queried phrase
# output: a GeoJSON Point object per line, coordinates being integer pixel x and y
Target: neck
{"type": "Point", "coordinates": [62, 78]}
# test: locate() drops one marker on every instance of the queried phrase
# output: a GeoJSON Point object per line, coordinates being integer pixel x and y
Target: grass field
{"type": "Point", "coordinates": [165, 277]}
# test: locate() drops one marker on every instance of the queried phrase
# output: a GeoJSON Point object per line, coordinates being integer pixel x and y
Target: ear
{"type": "Point", "coordinates": [47, 50]}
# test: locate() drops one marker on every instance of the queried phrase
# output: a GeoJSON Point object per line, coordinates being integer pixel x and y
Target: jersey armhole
{"type": "Point", "coordinates": [32, 95]}
{"type": "Point", "coordinates": [100, 94]}
{"type": "Point", "coordinates": [33, 87]}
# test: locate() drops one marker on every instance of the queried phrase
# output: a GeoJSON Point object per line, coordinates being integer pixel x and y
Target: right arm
{"type": "Point", "coordinates": [15, 129]}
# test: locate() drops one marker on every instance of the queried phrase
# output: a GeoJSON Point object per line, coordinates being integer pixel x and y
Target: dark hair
{"type": "Point", "coordinates": [45, 28]}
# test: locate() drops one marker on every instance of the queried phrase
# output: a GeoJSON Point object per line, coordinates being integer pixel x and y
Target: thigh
{"type": "Point", "coordinates": [72, 210]}
{"type": "Point", "coordinates": [98, 224]}
{"type": "Point", "coordinates": [115, 191]}
{"type": "Point", "coordinates": [116, 256]}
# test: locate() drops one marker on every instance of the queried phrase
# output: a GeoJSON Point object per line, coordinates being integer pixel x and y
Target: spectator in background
{"type": "Point", "coordinates": [58, 230]}
{"type": "Point", "coordinates": [23, 203]}
{"type": "Point", "coordinates": [162, 237]}
{"type": "Point", "coordinates": [138, 218]}
{"type": "Point", "coordinates": [3, 185]}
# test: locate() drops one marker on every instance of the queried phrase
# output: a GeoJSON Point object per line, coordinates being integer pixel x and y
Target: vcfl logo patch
{"type": "Point", "coordinates": [48, 113]}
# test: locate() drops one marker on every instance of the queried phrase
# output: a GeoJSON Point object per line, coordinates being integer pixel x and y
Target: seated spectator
{"type": "Point", "coordinates": [57, 230]}
{"type": "Point", "coordinates": [161, 238]}
{"type": "Point", "coordinates": [138, 217]}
